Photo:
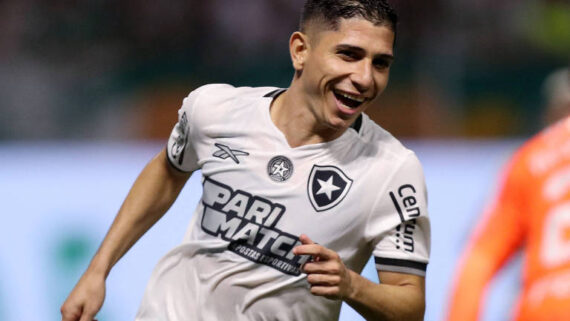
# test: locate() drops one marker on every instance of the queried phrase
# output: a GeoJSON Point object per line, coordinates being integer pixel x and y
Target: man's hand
{"type": "Point", "coordinates": [151, 196]}
{"type": "Point", "coordinates": [326, 272]}
{"type": "Point", "coordinates": [85, 300]}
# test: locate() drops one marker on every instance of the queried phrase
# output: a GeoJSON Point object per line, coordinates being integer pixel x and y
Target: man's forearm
{"type": "Point", "coordinates": [152, 194]}
{"type": "Point", "coordinates": [401, 296]}
{"type": "Point", "coordinates": [404, 301]}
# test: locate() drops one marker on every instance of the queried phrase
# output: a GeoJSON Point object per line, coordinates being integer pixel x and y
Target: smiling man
{"type": "Point", "coordinates": [300, 189]}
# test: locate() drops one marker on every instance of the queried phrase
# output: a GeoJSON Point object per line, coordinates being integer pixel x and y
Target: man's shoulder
{"type": "Point", "coordinates": [223, 92]}
{"type": "Point", "coordinates": [215, 99]}
{"type": "Point", "coordinates": [223, 104]}
{"type": "Point", "coordinates": [387, 145]}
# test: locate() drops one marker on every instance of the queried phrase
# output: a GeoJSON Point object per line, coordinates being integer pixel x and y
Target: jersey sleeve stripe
{"type": "Point", "coordinates": [173, 164]}
{"type": "Point", "coordinates": [402, 266]}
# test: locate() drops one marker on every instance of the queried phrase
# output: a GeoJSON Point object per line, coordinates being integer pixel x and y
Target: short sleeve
{"type": "Point", "coordinates": [180, 149]}
{"type": "Point", "coordinates": [400, 223]}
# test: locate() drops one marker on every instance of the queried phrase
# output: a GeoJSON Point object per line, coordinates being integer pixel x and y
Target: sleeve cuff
{"type": "Point", "coordinates": [400, 266]}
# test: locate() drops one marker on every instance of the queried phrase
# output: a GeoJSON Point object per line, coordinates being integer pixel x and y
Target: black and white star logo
{"type": "Point", "coordinates": [280, 168]}
{"type": "Point", "coordinates": [327, 187]}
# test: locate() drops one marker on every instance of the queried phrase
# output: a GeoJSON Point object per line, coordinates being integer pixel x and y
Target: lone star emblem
{"type": "Point", "coordinates": [327, 187]}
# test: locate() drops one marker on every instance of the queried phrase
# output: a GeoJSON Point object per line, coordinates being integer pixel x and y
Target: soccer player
{"type": "Point", "coordinates": [532, 211]}
{"type": "Point", "coordinates": [300, 188]}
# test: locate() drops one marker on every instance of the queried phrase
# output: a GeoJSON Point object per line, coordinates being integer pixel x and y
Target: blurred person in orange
{"type": "Point", "coordinates": [531, 212]}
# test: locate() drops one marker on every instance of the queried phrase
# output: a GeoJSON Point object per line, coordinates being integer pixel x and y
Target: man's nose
{"type": "Point", "coordinates": [362, 76]}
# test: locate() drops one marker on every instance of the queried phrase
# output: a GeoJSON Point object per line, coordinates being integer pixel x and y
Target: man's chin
{"type": "Point", "coordinates": [341, 123]}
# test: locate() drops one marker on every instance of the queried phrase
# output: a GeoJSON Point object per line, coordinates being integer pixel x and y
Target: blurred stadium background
{"type": "Point", "coordinates": [89, 92]}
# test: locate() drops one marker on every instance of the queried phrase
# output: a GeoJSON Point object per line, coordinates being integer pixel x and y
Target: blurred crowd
{"type": "Point", "coordinates": [118, 70]}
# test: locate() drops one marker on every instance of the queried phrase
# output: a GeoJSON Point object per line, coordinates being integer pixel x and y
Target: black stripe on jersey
{"type": "Point", "coordinates": [273, 94]}
{"type": "Point", "coordinates": [395, 201]}
{"type": "Point", "coordinates": [171, 163]}
{"type": "Point", "coordinates": [401, 263]}
{"type": "Point", "coordinates": [357, 124]}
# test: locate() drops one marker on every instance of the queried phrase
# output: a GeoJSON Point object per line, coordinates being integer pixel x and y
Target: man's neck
{"type": "Point", "coordinates": [293, 117]}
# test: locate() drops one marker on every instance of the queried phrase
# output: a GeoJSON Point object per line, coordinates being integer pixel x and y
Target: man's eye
{"type": "Point", "coordinates": [348, 55]}
{"type": "Point", "coordinates": [381, 64]}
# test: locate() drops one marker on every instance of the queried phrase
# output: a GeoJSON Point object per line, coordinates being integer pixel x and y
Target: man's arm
{"type": "Point", "coordinates": [152, 194]}
{"type": "Point", "coordinates": [398, 297]}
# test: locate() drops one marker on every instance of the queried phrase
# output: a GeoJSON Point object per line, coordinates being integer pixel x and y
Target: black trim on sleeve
{"type": "Point", "coordinates": [169, 161]}
{"type": "Point", "coordinates": [401, 263]}
{"type": "Point", "coordinates": [273, 94]}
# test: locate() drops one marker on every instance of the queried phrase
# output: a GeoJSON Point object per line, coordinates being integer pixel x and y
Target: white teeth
{"type": "Point", "coordinates": [355, 98]}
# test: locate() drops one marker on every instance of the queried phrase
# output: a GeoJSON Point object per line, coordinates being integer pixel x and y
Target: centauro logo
{"type": "Point", "coordinates": [248, 223]}
{"type": "Point", "coordinates": [406, 205]}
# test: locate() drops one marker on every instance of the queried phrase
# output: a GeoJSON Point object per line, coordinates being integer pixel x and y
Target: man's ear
{"type": "Point", "coordinates": [299, 49]}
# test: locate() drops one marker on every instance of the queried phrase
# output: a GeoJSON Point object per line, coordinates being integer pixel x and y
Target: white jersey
{"type": "Point", "coordinates": [361, 194]}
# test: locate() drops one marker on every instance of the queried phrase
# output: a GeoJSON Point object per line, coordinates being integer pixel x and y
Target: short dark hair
{"type": "Point", "coordinates": [379, 12]}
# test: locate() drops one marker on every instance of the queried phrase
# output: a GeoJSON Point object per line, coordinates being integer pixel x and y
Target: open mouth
{"type": "Point", "coordinates": [348, 100]}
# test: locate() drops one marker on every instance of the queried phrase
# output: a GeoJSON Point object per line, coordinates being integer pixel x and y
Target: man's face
{"type": "Point", "coordinates": [344, 70]}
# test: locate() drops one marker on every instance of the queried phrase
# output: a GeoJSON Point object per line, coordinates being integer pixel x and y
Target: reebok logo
{"type": "Point", "coordinates": [225, 152]}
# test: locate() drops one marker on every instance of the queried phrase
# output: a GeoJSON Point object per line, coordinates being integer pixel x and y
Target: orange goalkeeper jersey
{"type": "Point", "coordinates": [531, 211]}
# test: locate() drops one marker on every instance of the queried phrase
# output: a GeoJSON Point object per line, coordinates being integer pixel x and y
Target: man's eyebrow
{"type": "Point", "coordinates": [385, 56]}
{"type": "Point", "coordinates": [349, 47]}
